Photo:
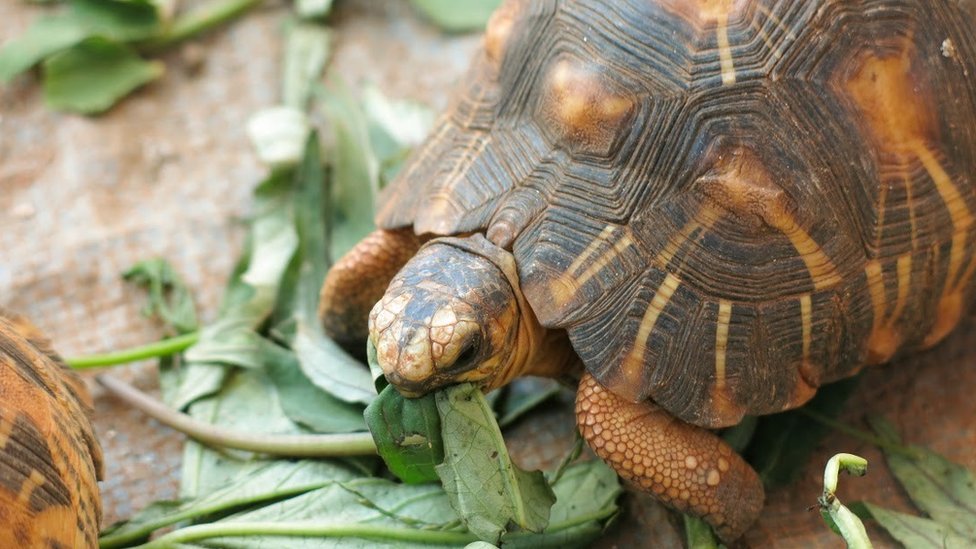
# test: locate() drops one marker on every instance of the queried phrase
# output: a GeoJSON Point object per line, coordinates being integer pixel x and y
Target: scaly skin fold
{"type": "Point", "coordinates": [684, 466]}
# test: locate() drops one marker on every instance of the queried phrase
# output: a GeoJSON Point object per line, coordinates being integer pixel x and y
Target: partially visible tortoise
{"type": "Point", "coordinates": [724, 203]}
{"type": "Point", "coordinates": [50, 460]}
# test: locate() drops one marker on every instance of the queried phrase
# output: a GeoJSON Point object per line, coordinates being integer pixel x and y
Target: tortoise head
{"type": "Point", "coordinates": [453, 314]}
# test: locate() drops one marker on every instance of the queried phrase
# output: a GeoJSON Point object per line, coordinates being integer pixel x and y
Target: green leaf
{"type": "Point", "coordinates": [490, 493]}
{"type": "Point", "coordinates": [454, 16]}
{"type": "Point", "coordinates": [322, 361]}
{"type": "Point", "coordinates": [113, 19]}
{"type": "Point", "coordinates": [917, 532]}
{"type": "Point", "coordinates": [407, 432]}
{"type": "Point", "coordinates": [268, 482]}
{"type": "Point", "coordinates": [586, 499]}
{"type": "Point", "coordinates": [307, 50]}
{"type": "Point", "coordinates": [119, 20]}
{"type": "Point", "coordinates": [355, 177]}
{"type": "Point", "coordinates": [698, 534]}
{"type": "Point", "coordinates": [782, 443]}
{"type": "Point", "coordinates": [247, 401]}
{"type": "Point", "coordinates": [313, 9]}
{"type": "Point", "coordinates": [523, 395]}
{"type": "Point", "coordinates": [946, 491]}
{"type": "Point", "coordinates": [47, 36]}
{"type": "Point", "coordinates": [360, 513]}
{"type": "Point", "coordinates": [169, 297]}
{"type": "Point", "coordinates": [94, 74]}
{"type": "Point", "coordinates": [303, 402]}
{"type": "Point", "coordinates": [249, 299]}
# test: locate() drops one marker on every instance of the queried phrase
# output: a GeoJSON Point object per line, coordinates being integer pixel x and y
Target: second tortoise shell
{"type": "Point", "coordinates": [725, 203]}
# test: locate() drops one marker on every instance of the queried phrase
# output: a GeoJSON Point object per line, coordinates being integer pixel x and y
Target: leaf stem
{"type": "Point", "coordinates": [333, 445]}
{"type": "Point", "coordinates": [161, 348]}
{"type": "Point", "coordinates": [309, 529]}
{"type": "Point", "coordinates": [197, 21]}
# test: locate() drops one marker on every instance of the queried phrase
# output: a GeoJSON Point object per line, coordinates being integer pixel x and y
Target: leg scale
{"type": "Point", "coordinates": [684, 466]}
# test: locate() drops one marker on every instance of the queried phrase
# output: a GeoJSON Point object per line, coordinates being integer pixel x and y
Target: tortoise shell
{"type": "Point", "coordinates": [49, 458]}
{"type": "Point", "coordinates": [726, 203]}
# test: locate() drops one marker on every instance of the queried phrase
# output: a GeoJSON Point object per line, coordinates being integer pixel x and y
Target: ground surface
{"type": "Point", "coordinates": [169, 172]}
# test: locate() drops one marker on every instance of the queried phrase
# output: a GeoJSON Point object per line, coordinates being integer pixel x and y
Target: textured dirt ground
{"type": "Point", "coordinates": [168, 173]}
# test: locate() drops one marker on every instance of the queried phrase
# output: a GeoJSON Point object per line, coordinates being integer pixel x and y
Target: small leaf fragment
{"type": "Point", "coordinates": [490, 493]}
{"type": "Point", "coordinates": [93, 75]}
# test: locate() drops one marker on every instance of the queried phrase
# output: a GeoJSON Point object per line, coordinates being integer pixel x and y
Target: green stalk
{"type": "Point", "coordinates": [310, 529]}
{"type": "Point", "coordinates": [158, 349]}
{"type": "Point", "coordinates": [197, 21]}
{"type": "Point", "coordinates": [334, 445]}
{"type": "Point", "coordinates": [840, 518]}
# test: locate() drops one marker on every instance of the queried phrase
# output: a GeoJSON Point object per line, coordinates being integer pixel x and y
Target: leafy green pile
{"type": "Point", "coordinates": [92, 52]}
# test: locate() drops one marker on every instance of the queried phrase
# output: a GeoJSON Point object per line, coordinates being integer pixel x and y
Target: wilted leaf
{"type": "Point", "coordinates": [407, 432]}
{"type": "Point", "coordinates": [91, 76]}
{"type": "Point", "coordinates": [169, 297]}
{"type": "Point", "coordinates": [782, 443]}
{"type": "Point", "coordinates": [917, 532]}
{"type": "Point", "coordinates": [454, 16]}
{"type": "Point", "coordinates": [302, 401]}
{"type": "Point", "coordinates": [946, 491]}
{"type": "Point", "coordinates": [270, 481]}
{"type": "Point", "coordinates": [491, 493]}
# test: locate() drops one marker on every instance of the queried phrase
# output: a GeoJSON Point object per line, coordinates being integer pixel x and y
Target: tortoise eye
{"type": "Point", "coordinates": [583, 108]}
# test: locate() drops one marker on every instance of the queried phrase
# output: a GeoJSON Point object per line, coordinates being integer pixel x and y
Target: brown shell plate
{"type": "Point", "coordinates": [725, 203]}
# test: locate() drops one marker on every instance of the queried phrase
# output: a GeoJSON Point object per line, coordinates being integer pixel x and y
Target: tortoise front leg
{"type": "Point", "coordinates": [358, 280]}
{"type": "Point", "coordinates": [684, 466]}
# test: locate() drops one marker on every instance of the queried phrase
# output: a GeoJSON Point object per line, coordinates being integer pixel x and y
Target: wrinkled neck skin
{"type": "Point", "coordinates": [455, 313]}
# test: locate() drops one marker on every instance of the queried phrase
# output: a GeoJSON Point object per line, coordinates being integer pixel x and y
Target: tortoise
{"type": "Point", "coordinates": [50, 460]}
{"type": "Point", "coordinates": [702, 209]}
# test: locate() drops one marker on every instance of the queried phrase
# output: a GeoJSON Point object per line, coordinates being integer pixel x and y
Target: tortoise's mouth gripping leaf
{"type": "Point", "coordinates": [455, 313]}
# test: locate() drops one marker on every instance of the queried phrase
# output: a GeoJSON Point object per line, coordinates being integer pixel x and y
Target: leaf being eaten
{"type": "Point", "coordinates": [407, 432]}
{"type": "Point", "coordinates": [490, 493]}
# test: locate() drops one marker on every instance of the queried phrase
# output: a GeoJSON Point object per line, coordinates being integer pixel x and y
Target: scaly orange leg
{"type": "Point", "coordinates": [684, 466]}
{"type": "Point", "coordinates": [358, 280]}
